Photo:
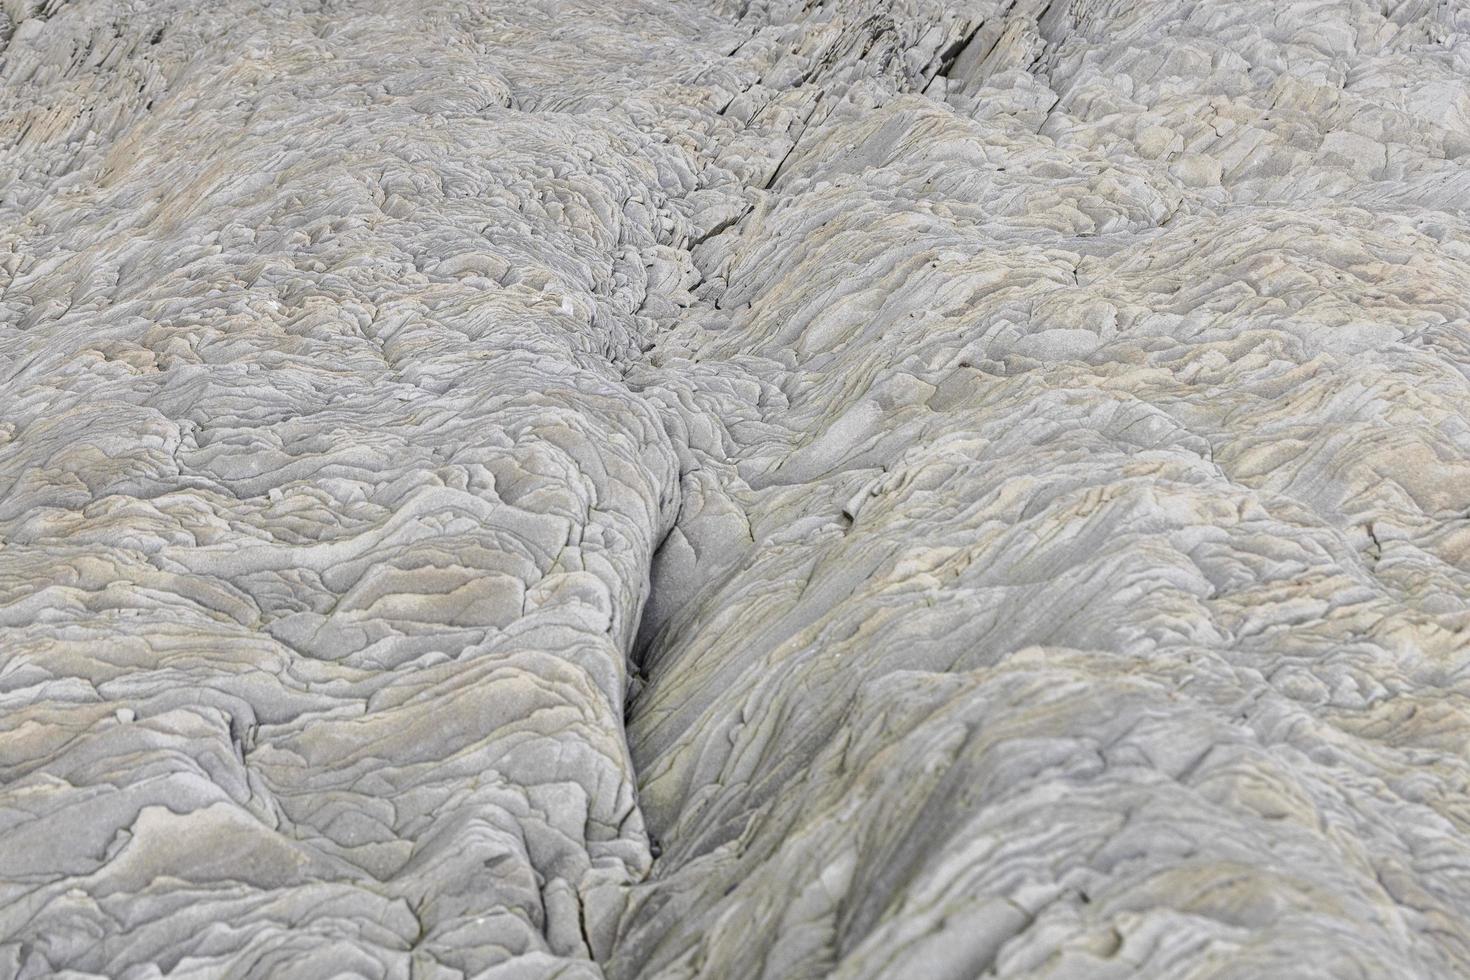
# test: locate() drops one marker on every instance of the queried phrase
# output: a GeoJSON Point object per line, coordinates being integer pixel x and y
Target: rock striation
{"type": "Point", "coordinates": [780, 489]}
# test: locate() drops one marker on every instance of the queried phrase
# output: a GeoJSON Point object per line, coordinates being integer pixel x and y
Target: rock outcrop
{"type": "Point", "coordinates": [843, 488]}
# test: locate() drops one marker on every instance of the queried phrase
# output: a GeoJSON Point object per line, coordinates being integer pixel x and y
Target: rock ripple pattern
{"type": "Point", "coordinates": [741, 489]}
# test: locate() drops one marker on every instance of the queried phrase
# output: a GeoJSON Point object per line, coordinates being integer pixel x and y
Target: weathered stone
{"type": "Point", "coordinates": [734, 490]}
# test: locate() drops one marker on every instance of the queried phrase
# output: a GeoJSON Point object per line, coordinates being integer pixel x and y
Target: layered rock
{"type": "Point", "coordinates": [856, 489]}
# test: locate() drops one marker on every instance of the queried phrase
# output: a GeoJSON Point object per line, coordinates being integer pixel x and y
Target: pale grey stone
{"type": "Point", "coordinates": [770, 489]}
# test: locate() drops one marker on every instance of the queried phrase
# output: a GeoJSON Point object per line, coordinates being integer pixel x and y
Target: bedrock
{"type": "Point", "coordinates": [771, 489]}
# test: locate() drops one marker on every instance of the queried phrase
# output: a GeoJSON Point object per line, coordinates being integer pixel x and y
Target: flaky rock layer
{"type": "Point", "coordinates": [855, 489]}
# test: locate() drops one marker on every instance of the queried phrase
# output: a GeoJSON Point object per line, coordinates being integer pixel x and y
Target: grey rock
{"type": "Point", "coordinates": [870, 488]}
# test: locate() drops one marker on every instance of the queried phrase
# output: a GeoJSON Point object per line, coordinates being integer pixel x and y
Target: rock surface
{"type": "Point", "coordinates": [765, 489]}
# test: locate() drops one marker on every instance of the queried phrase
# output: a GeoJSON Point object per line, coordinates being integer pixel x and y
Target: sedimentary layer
{"type": "Point", "coordinates": [856, 489]}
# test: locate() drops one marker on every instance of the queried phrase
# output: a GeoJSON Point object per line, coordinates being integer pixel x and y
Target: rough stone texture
{"type": "Point", "coordinates": [631, 489]}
